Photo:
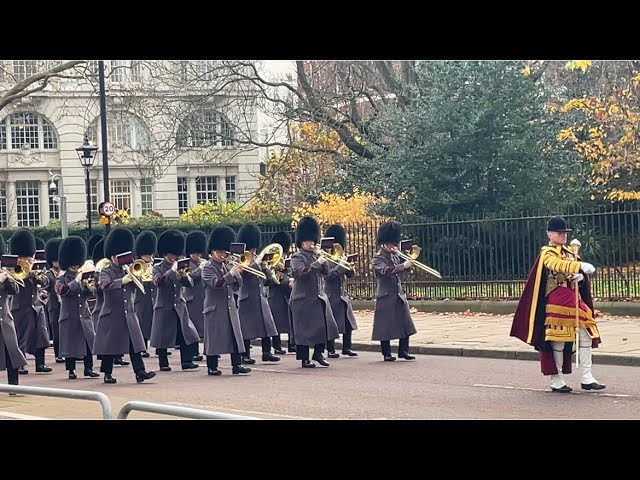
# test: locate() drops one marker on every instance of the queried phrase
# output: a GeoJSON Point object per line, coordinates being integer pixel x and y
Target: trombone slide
{"type": "Point", "coordinates": [420, 265]}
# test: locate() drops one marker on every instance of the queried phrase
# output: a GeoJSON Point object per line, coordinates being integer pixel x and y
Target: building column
{"type": "Point", "coordinates": [12, 205]}
{"type": "Point", "coordinates": [45, 214]}
{"type": "Point", "coordinates": [191, 192]}
{"type": "Point", "coordinates": [222, 189]}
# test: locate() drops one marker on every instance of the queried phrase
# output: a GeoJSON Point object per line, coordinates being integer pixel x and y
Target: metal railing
{"type": "Point", "coordinates": [176, 411]}
{"type": "Point", "coordinates": [101, 398]}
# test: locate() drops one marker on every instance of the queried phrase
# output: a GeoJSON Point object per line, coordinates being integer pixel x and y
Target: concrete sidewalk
{"type": "Point", "coordinates": [486, 335]}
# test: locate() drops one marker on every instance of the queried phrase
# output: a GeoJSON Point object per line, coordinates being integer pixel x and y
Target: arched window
{"type": "Point", "coordinates": [205, 129]}
{"type": "Point", "coordinates": [30, 129]}
{"type": "Point", "coordinates": [123, 130]}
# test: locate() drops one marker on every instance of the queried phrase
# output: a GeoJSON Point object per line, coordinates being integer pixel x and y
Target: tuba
{"type": "Point", "coordinates": [275, 254]}
{"type": "Point", "coordinates": [102, 264]}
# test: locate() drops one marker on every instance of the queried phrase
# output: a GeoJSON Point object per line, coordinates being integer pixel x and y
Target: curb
{"type": "Point", "coordinates": [505, 307]}
{"type": "Point", "coordinates": [532, 355]}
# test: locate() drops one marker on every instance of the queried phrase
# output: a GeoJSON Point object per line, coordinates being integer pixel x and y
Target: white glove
{"type": "Point", "coordinates": [578, 277]}
{"type": "Point", "coordinates": [174, 267]}
{"type": "Point", "coordinates": [3, 277]}
{"type": "Point", "coordinates": [291, 283]}
{"type": "Point", "coordinates": [127, 279]}
{"type": "Point", "coordinates": [258, 258]}
{"type": "Point", "coordinates": [587, 268]}
{"type": "Point", "coordinates": [235, 271]}
{"type": "Point", "coordinates": [407, 264]}
{"type": "Point", "coordinates": [203, 263]}
{"type": "Point", "coordinates": [78, 278]}
{"type": "Point", "coordinates": [321, 260]}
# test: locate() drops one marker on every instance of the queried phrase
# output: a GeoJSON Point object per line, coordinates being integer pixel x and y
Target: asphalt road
{"type": "Point", "coordinates": [431, 387]}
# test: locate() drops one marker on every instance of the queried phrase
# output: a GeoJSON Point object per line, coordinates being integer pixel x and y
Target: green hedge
{"type": "Point", "coordinates": [45, 233]}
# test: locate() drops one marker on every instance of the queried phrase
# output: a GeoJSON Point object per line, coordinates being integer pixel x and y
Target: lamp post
{"type": "Point", "coordinates": [103, 130]}
{"type": "Point", "coordinates": [63, 202]}
{"type": "Point", "coordinates": [87, 155]}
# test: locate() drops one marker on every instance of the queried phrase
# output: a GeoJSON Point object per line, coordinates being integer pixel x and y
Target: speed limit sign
{"type": "Point", "coordinates": [107, 209]}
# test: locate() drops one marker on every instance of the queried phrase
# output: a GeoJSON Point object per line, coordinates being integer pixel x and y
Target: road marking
{"type": "Point", "coordinates": [508, 387]}
{"type": "Point", "coordinates": [20, 416]}
{"type": "Point", "coordinates": [233, 410]}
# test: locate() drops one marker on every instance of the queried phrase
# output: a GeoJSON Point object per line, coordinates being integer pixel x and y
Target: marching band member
{"type": "Point", "coordinates": [546, 313]}
{"type": "Point", "coordinates": [222, 329]}
{"type": "Point", "coordinates": [11, 358]}
{"type": "Point", "coordinates": [340, 301]}
{"type": "Point", "coordinates": [96, 255]}
{"type": "Point", "coordinates": [91, 244]}
{"type": "Point", "coordinates": [118, 330]}
{"type": "Point", "coordinates": [391, 318]}
{"type": "Point", "coordinates": [279, 295]}
{"type": "Point", "coordinates": [146, 245]}
{"type": "Point", "coordinates": [253, 307]}
{"type": "Point", "coordinates": [77, 333]}
{"type": "Point", "coordinates": [195, 249]}
{"type": "Point", "coordinates": [313, 322]}
{"type": "Point", "coordinates": [26, 308]}
{"type": "Point", "coordinates": [171, 325]}
{"type": "Point", "coordinates": [49, 283]}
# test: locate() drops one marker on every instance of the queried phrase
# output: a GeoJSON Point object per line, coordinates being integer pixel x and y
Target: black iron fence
{"type": "Point", "coordinates": [490, 258]}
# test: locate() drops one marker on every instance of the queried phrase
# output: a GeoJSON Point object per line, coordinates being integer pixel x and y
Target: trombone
{"type": "Point", "coordinates": [244, 261]}
{"type": "Point", "coordinates": [19, 272]}
{"type": "Point", "coordinates": [414, 253]}
{"type": "Point", "coordinates": [137, 269]}
{"type": "Point", "coordinates": [335, 255]}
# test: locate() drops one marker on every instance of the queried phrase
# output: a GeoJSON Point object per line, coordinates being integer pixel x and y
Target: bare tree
{"type": "Point", "coordinates": [27, 77]}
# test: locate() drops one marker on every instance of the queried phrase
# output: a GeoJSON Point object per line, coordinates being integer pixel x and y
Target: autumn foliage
{"type": "Point", "coordinates": [605, 133]}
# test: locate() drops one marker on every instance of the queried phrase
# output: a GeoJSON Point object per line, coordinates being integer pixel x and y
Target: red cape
{"type": "Point", "coordinates": [528, 321]}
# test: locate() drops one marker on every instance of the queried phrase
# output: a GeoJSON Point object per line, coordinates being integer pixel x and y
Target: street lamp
{"type": "Point", "coordinates": [53, 188]}
{"type": "Point", "coordinates": [87, 155]}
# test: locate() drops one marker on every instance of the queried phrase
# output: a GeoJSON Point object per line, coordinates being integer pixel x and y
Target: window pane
{"type": "Point", "coordinates": [230, 187]}
{"type": "Point", "coordinates": [207, 189]}
{"type": "Point", "coordinates": [183, 195]}
{"type": "Point", "coordinates": [121, 194]}
{"type": "Point", "coordinates": [54, 204]}
{"type": "Point", "coordinates": [28, 203]}
{"type": "Point", "coordinates": [146, 195]}
{"type": "Point", "coordinates": [3, 204]}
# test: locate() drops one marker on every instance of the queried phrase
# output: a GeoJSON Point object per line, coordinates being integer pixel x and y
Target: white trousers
{"type": "Point", "coordinates": [557, 381]}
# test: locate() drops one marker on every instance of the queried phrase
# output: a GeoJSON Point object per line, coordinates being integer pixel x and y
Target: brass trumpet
{"type": "Point", "coordinates": [414, 253]}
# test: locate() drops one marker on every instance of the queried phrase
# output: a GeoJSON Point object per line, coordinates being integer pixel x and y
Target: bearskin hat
{"type": "Point", "coordinates": [196, 242]}
{"type": "Point", "coordinates": [221, 238]}
{"type": "Point", "coordinates": [51, 249]}
{"type": "Point", "coordinates": [92, 242]}
{"type": "Point", "coordinates": [119, 240]}
{"type": "Point", "coordinates": [284, 239]}
{"type": "Point", "coordinates": [72, 251]}
{"type": "Point", "coordinates": [389, 232]}
{"type": "Point", "coordinates": [308, 229]}
{"type": "Point", "coordinates": [146, 243]}
{"type": "Point", "coordinates": [98, 252]}
{"type": "Point", "coordinates": [337, 231]}
{"type": "Point", "coordinates": [249, 234]}
{"type": "Point", "coordinates": [23, 243]}
{"type": "Point", "coordinates": [39, 243]}
{"type": "Point", "coordinates": [171, 241]}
